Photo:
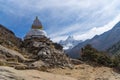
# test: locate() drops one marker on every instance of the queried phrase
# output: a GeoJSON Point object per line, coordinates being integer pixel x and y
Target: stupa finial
{"type": "Point", "coordinates": [37, 18]}
{"type": "Point", "coordinates": [37, 24]}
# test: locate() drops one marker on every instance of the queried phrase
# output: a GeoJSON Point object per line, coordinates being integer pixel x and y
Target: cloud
{"type": "Point", "coordinates": [92, 32]}
{"type": "Point", "coordinates": [62, 18]}
{"type": "Point", "coordinates": [97, 30]}
{"type": "Point", "coordinates": [93, 22]}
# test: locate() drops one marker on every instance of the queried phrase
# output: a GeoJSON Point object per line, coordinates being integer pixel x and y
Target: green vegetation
{"type": "Point", "coordinates": [90, 54]}
{"type": "Point", "coordinates": [116, 61]}
{"type": "Point", "coordinates": [2, 63]}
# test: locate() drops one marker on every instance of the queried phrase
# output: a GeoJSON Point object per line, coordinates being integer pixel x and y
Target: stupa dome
{"type": "Point", "coordinates": [36, 30]}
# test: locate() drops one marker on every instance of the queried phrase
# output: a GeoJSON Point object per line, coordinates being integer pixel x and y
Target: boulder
{"type": "Point", "coordinates": [11, 54]}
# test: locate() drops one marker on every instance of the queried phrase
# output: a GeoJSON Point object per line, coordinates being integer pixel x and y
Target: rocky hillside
{"type": "Point", "coordinates": [101, 42]}
{"type": "Point", "coordinates": [34, 53]}
{"type": "Point", "coordinates": [8, 38]}
{"type": "Point", "coordinates": [10, 57]}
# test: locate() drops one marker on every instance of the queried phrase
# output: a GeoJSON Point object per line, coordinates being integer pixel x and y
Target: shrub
{"type": "Point", "coordinates": [104, 60]}
{"type": "Point", "coordinates": [91, 54]}
{"type": "Point", "coordinates": [2, 63]}
{"type": "Point", "coordinates": [116, 61]}
{"type": "Point", "coordinates": [42, 68]}
{"type": "Point", "coordinates": [58, 46]}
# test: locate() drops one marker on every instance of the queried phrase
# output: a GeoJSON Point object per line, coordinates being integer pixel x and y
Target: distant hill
{"type": "Point", "coordinates": [101, 42]}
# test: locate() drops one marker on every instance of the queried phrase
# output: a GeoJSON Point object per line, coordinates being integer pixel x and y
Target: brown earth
{"type": "Point", "coordinates": [7, 73]}
{"type": "Point", "coordinates": [80, 72]}
{"type": "Point", "coordinates": [87, 72]}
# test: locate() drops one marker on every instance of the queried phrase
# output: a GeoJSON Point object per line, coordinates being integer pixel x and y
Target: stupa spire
{"type": "Point", "coordinates": [37, 24]}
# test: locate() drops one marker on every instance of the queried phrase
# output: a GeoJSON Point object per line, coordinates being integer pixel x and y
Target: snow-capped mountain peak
{"type": "Point", "coordinates": [69, 43]}
{"type": "Point", "coordinates": [70, 38]}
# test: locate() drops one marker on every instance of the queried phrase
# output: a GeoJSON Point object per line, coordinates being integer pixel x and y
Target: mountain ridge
{"type": "Point", "coordinates": [101, 42]}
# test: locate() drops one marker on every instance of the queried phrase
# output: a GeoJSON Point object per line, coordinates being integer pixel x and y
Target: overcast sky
{"type": "Point", "coordinates": [81, 18]}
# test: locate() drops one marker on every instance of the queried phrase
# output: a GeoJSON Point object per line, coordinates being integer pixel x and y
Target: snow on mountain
{"type": "Point", "coordinates": [69, 43]}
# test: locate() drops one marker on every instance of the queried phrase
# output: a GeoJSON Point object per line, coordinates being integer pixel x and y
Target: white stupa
{"type": "Point", "coordinates": [36, 30]}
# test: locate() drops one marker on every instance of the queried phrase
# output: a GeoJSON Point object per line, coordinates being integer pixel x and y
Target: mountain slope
{"type": "Point", "coordinates": [101, 42]}
{"type": "Point", "coordinates": [8, 38]}
{"type": "Point", "coordinates": [115, 49]}
{"type": "Point", "coordinates": [69, 43]}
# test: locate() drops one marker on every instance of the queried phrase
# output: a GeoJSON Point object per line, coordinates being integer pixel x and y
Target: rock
{"type": "Point", "coordinates": [21, 67]}
{"type": "Point", "coordinates": [76, 61]}
{"type": "Point", "coordinates": [38, 64]}
{"type": "Point", "coordinates": [101, 79]}
{"type": "Point", "coordinates": [8, 53]}
{"type": "Point", "coordinates": [7, 74]}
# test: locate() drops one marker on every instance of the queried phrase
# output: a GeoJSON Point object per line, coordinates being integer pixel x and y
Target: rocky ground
{"type": "Point", "coordinates": [87, 72]}
{"type": "Point", "coordinates": [80, 72]}
{"type": "Point", "coordinates": [7, 73]}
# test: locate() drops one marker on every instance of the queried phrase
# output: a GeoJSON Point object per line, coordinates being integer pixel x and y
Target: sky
{"type": "Point", "coordinates": [82, 19]}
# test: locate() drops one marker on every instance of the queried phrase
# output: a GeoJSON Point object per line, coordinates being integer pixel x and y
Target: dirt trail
{"type": "Point", "coordinates": [7, 73]}
{"type": "Point", "coordinates": [87, 72]}
{"type": "Point", "coordinates": [80, 72]}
